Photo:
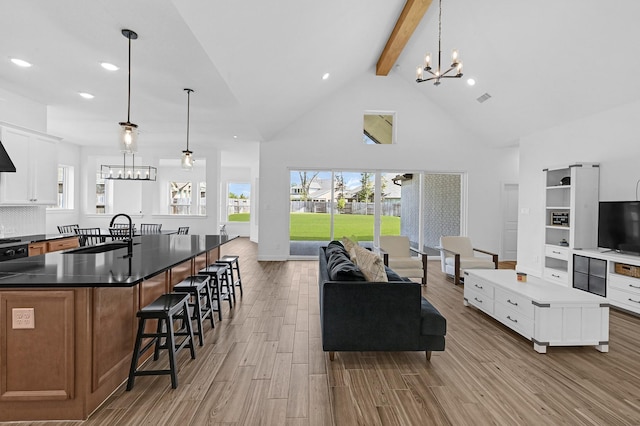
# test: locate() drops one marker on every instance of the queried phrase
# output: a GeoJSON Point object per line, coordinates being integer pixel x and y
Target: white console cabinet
{"type": "Point", "coordinates": [545, 313]}
{"type": "Point", "coordinates": [571, 216]}
{"type": "Point", "coordinates": [622, 290]}
{"type": "Point", "coordinates": [35, 156]}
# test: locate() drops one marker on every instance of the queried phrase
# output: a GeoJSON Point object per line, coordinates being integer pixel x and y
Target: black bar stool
{"type": "Point", "coordinates": [166, 309]}
{"type": "Point", "coordinates": [233, 263]}
{"type": "Point", "coordinates": [219, 279]}
{"type": "Point", "coordinates": [200, 301]}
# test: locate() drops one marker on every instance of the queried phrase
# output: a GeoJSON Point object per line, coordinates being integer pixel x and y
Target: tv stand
{"type": "Point", "coordinates": [622, 287]}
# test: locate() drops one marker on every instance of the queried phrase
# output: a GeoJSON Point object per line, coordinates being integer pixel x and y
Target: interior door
{"type": "Point", "coordinates": [509, 222]}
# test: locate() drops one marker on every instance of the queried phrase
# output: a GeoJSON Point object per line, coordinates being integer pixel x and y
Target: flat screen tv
{"type": "Point", "coordinates": [619, 226]}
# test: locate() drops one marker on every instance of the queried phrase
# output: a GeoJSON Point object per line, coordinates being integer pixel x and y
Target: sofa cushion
{"type": "Point", "coordinates": [339, 265]}
{"type": "Point", "coordinates": [431, 322]}
{"type": "Point", "coordinates": [369, 263]}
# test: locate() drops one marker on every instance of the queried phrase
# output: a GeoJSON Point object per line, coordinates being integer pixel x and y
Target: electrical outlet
{"type": "Point", "coordinates": [23, 318]}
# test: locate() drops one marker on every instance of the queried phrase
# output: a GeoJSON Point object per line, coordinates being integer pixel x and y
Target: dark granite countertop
{"type": "Point", "coordinates": [151, 255]}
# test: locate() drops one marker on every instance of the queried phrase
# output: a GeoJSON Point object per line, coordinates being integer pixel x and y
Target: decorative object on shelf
{"type": "Point", "coordinates": [626, 269]}
{"type": "Point", "coordinates": [129, 130]}
{"type": "Point", "coordinates": [559, 218]}
{"type": "Point", "coordinates": [456, 63]}
{"type": "Point", "coordinates": [563, 243]}
{"type": "Point", "coordinates": [128, 172]}
{"type": "Point", "coordinates": [521, 276]}
{"type": "Point", "coordinates": [187, 157]}
{"type": "Point", "coordinates": [565, 181]}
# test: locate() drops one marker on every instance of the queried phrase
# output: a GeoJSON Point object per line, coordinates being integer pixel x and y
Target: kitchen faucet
{"type": "Point", "coordinates": [130, 239]}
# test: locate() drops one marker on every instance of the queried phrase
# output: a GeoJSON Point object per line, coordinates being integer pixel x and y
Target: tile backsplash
{"type": "Point", "coordinates": [22, 220]}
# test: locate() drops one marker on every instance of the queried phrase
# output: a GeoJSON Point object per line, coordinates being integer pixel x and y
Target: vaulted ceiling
{"type": "Point", "coordinates": [256, 66]}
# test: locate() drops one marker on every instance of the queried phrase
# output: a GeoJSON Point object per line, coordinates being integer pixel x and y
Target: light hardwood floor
{"type": "Point", "coordinates": [264, 364]}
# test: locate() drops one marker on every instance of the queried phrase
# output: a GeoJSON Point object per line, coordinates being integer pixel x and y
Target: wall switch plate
{"type": "Point", "coordinates": [23, 318]}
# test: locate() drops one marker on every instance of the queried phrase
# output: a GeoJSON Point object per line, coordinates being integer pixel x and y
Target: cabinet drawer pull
{"type": "Point", "coordinates": [555, 276]}
{"type": "Point", "coordinates": [634, 301]}
{"type": "Point", "coordinates": [633, 286]}
{"type": "Point", "coordinates": [555, 252]}
{"type": "Point", "coordinates": [511, 319]}
{"type": "Point", "coordinates": [478, 286]}
{"type": "Point", "coordinates": [477, 300]}
{"type": "Point", "coordinates": [513, 303]}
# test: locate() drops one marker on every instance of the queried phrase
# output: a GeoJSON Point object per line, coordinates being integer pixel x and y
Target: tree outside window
{"type": "Point", "coordinates": [238, 202]}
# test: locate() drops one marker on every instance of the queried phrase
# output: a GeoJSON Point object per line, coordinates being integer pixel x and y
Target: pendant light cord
{"type": "Point", "coordinates": [188, 111]}
{"type": "Point", "coordinates": [439, 34]}
{"type": "Point", "coordinates": [129, 87]}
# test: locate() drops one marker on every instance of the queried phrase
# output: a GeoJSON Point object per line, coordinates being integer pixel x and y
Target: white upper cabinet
{"type": "Point", "coordinates": [35, 156]}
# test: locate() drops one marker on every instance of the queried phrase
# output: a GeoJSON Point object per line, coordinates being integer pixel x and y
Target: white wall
{"type": "Point", "coordinates": [609, 138]}
{"type": "Point", "coordinates": [330, 136]}
{"type": "Point", "coordinates": [23, 112]}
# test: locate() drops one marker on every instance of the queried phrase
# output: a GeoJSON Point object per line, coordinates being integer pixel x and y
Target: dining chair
{"type": "Point", "coordinates": [150, 228]}
{"type": "Point", "coordinates": [68, 229]}
{"type": "Point", "coordinates": [183, 230]}
{"type": "Point", "coordinates": [89, 236]}
{"type": "Point", "coordinates": [119, 232]}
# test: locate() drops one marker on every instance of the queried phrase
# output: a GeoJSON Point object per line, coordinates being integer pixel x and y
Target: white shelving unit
{"type": "Point", "coordinates": [571, 217]}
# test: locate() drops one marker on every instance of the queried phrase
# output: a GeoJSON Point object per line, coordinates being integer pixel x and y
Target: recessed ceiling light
{"type": "Point", "coordinates": [108, 66]}
{"type": "Point", "coordinates": [86, 95]}
{"type": "Point", "coordinates": [471, 82]}
{"type": "Point", "coordinates": [235, 136]}
{"type": "Point", "coordinates": [325, 76]}
{"type": "Point", "coordinates": [20, 62]}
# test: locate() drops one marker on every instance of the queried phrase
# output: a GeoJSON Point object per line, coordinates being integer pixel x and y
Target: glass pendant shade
{"type": "Point", "coordinates": [128, 137]}
{"type": "Point", "coordinates": [187, 160]}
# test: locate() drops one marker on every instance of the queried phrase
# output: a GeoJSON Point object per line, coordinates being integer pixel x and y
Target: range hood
{"type": "Point", "coordinates": [6, 165]}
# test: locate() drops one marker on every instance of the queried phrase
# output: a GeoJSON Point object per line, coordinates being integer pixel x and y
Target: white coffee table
{"type": "Point", "coordinates": [548, 314]}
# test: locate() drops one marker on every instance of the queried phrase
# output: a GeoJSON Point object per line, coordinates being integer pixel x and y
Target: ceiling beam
{"type": "Point", "coordinates": [409, 19]}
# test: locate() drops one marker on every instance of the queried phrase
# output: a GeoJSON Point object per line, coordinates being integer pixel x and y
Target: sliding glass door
{"type": "Point", "coordinates": [327, 205]}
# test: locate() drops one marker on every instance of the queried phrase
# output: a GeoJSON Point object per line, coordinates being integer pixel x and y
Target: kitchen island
{"type": "Point", "coordinates": [68, 320]}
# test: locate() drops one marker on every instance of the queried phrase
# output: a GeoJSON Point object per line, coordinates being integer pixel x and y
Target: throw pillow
{"type": "Point", "coordinates": [349, 243]}
{"type": "Point", "coordinates": [370, 264]}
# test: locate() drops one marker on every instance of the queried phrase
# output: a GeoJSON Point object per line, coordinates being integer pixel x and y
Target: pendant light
{"type": "Point", "coordinates": [187, 157]}
{"type": "Point", "coordinates": [129, 130]}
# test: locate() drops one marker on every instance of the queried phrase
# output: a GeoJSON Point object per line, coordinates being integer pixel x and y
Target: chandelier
{"type": "Point", "coordinates": [187, 157]}
{"type": "Point", "coordinates": [456, 63]}
{"type": "Point", "coordinates": [129, 172]}
{"type": "Point", "coordinates": [129, 130]}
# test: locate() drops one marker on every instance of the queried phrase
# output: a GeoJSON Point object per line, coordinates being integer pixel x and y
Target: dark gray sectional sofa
{"type": "Point", "coordinates": [358, 315]}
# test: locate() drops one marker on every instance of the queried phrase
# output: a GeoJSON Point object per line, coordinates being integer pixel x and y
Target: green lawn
{"type": "Point", "coordinates": [316, 226]}
{"type": "Point", "coordinates": [239, 217]}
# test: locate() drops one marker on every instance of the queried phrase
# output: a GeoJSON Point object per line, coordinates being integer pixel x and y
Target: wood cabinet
{"type": "Point", "coordinates": [545, 313]}
{"type": "Point", "coordinates": [42, 247]}
{"type": "Point", "coordinates": [62, 244]}
{"type": "Point", "coordinates": [571, 217]}
{"type": "Point", "coordinates": [35, 156]}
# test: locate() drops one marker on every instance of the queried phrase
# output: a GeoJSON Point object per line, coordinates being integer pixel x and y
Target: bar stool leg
{"type": "Point", "coordinates": [172, 353]}
{"type": "Point", "coordinates": [215, 294]}
{"type": "Point", "coordinates": [136, 354]}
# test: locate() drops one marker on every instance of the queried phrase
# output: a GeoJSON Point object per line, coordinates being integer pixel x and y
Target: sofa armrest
{"type": "Point", "coordinates": [456, 264]}
{"type": "Point", "coordinates": [494, 256]}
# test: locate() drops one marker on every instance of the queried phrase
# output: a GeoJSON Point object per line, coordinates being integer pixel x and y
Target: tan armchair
{"type": "Point", "coordinates": [457, 254]}
{"type": "Point", "coordinates": [397, 254]}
